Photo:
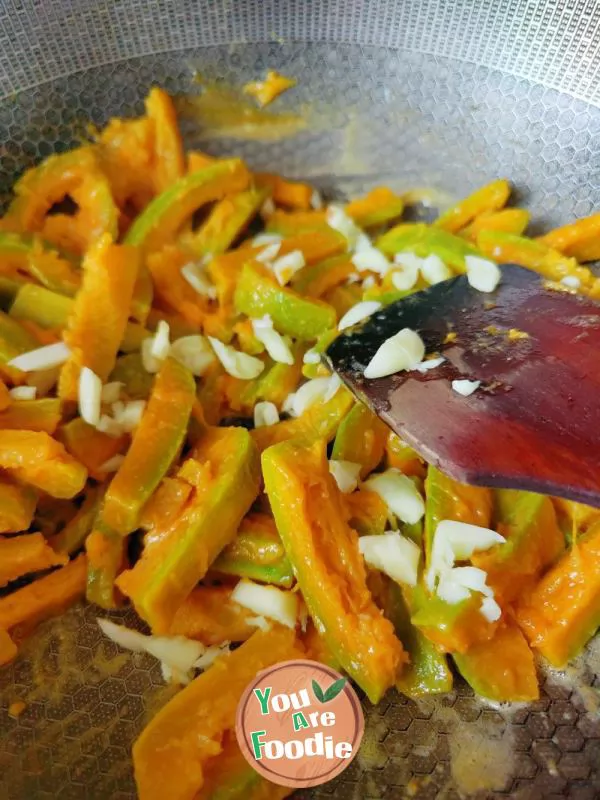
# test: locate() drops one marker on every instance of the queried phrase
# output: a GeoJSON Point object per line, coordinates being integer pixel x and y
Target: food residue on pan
{"type": "Point", "coordinates": [271, 87]}
{"type": "Point", "coordinates": [222, 111]}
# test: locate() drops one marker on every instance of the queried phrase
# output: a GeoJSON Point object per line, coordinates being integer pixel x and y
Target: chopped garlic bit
{"type": "Point", "coordinates": [393, 554]}
{"type": "Point", "coordinates": [407, 272]}
{"type": "Point", "coordinates": [259, 622]}
{"type": "Point", "coordinates": [267, 601]}
{"type": "Point", "coordinates": [334, 384]}
{"type": "Point", "coordinates": [288, 404]}
{"type": "Point", "coordinates": [265, 413]}
{"type": "Point", "coordinates": [357, 313]}
{"type": "Point", "coordinates": [457, 584]}
{"type": "Point", "coordinates": [112, 464]}
{"type": "Point", "coordinates": [368, 282]}
{"type": "Point", "coordinates": [157, 348]}
{"type": "Point", "coordinates": [235, 363]}
{"type": "Point", "coordinates": [267, 208]}
{"type": "Point", "coordinates": [482, 274]}
{"type": "Point", "coordinates": [399, 493]}
{"type": "Point", "coordinates": [266, 238]}
{"type": "Point", "coordinates": [316, 201]}
{"type": "Point", "coordinates": [275, 344]}
{"type": "Point", "coordinates": [125, 418]}
{"type": "Point", "coordinates": [193, 352]}
{"type": "Point", "coordinates": [52, 355]}
{"type": "Point", "coordinates": [286, 266]}
{"type": "Point", "coordinates": [109, 426]}
{"type": "Point", "coordinates": [211, 654]}
{"type": "Point", "coordinates": [457, 541]}
{"type": "Point", "coordinates": [371, 259]}
{"type": "Point", "coordinates": [404, 280]}
{"type": "Point", "coordinates": [90, 396]}
{"type": "Point", "coordinates": [465, 387]}
{"type": "Point", "coordinates": [402, 351]}
{"type": "Point", "coordinates": [197, 277]}
{"type": "Point", "coordinates": [345, 474]}
{"type": "Point", "coordinates": [408, 260]}
{"type": "Point", "coordinates": [340, 221]}
{"type": "Point", "coordinates": [571, 281]}
{"type": "Point", "coordinates": [178, 655]}
{"type": "Point", "coordinates": [268, 253]}
{"type": "Point", "coordinates": [303, 616]}
{"type": "Point", "coordinates": [434, 270]}
{"type": "Point", "coordinates": [150, 364]}
{"type": "Point", "coordinates": [161, 344]}
{"type": "Point", "coordinates": [354, 277]}
{"type": "Point", "coordinates": [111, 392]}
{"type": "Point", "coordinates": [431, 363]}
{"type": "Point", "coordinates": [129, 415]}
{"type": "Point", "coordinates": [363, 242]}
{"type": "Point", "coordinates": [490, 609]}
{"type": "Point", "coordinates": [23, 393]}
{"type": "Point", "coordinates": [311, 357]}
{"type": "Point", "coordinates": [318, 390]}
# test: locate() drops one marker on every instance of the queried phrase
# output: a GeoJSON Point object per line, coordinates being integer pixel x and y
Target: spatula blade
{"type": "Point", "coordinates": [533, 424]}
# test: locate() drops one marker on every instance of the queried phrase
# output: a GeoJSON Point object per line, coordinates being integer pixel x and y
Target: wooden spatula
{"type": "Point", "coordinates": [533, 424]}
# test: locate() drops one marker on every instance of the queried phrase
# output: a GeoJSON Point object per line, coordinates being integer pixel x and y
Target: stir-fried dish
{"type": "Point", "coordinates": [170, 439]}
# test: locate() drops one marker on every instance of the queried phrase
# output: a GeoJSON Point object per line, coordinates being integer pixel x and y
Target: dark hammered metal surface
{"type": "Point", "coordinates": [409, 118]}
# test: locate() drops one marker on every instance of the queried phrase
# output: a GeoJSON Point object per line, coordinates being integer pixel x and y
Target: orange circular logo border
{"type": "Point", "coordinates": [270, 772]}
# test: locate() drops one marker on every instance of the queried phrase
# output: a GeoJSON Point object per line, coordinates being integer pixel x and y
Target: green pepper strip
{"type": "Point", "coordinates": [274, 384]}
{"type": "Point", "coordinates": [14, 339]}
{"type": "Point", "coordinates": [155, 446]}
{"type": "Point", "coordinates": [320, 421]}
{"type": "Point", "coordinates": [319, 370]}
{"type": "Point", "coordinates": [427, 671]}
{"type": "Point", "coordinates": [361, 439]}
{"type": "Point", "coordinates": [175, 559]}
{"type": "Point", "coordinates": [163, 217]}
{"type": "Point", "coordinates": [324, 554]}
{"type": "Point", "coordinates": [226, 222]}
{"type": "Point", "coordinates": [100, 586]}
{"type": "Point", "coordinates": [423, 240]}
{"type": "Point", "coordinates": [257, 553]}
{"type": "Point", "coordinates": [137, 381]}
{"type": "Point", "coordinates": [51, 311]}
{"type": "Point", "coordinates": [534, 542]}
{"type": "Point", "coordinates": [72, 537]}
{"type": "Point", "coordinates": [9, 288]}
{"type": "Point", "coordinates": [448, 499]}
{"type": "Point", "coordinates": [502, 669]}
{"type": "Point", "coordinates": [32, 415]}
{"type": "Point", "coordinates": [26, 254]}
{"type": "Point", "coordinates": [258, 293]}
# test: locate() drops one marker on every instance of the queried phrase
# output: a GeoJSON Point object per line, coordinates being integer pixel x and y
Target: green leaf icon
{"type": "Point", "coordinates": [335, 688]}
{"type": "Point", "coordinates": [318, 692]}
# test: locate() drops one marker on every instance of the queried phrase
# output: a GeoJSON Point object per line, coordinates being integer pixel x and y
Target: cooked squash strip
{"type": "Point", "coordinates": [21, 555]}
{"type": "Point", "coordinates": [174, 751]}
{"type": "Point", "coordinates": [45, 597]}
{"type": "Point", "coordinates": [99, 317]}
{"type": "Point", "coordinates": [35, 458]}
